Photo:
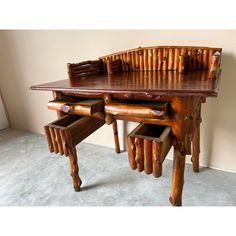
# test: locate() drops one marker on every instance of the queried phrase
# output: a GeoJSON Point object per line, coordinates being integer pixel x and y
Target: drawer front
{"type": "Point", "coordinates": [148, 146]}
{"type": "Point", "coordinates": [146, 109]}
{"type": "Point", "coordinates": [70, 130]}
{"type": "Point", "coordinates": [77, 106]}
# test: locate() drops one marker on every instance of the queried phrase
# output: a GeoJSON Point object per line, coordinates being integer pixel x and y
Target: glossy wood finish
{"type": "Point", "coordinates": [182, 76]}
{"type": "Point", "coordinates": [76, 106]}
{"type": "Point", "coordinates": [137, 108]}
{"type": "Point", "coordinates": [153, 83]}
{"type": "Point", "coordinates": [162, 58]}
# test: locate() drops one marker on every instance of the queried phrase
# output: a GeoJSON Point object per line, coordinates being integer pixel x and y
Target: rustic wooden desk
{"type": "Point", "coordinates": [134, 87]}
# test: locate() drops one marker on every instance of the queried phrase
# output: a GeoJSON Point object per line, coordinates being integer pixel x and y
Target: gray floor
{"type": "Point", "coordinates": [31, 176]}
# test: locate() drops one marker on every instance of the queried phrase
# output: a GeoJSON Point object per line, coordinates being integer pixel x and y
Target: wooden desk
{"type": "Point", "coordinates": [183, 91]}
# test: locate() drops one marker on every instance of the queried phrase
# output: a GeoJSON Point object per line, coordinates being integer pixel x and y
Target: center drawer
{"type": "Point", "coordinates": [148, 146]}
{"type": "Point", "coordinates": [77, 106]}
{"type": "Point", "coordinates": [137, 108]}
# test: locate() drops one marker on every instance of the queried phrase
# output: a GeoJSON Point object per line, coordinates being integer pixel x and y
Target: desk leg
{"type": "Point", "coordinates": [116, 137]}
{"type": "Point", "coordinates": [177, 178]}
{"type": "Point", "coordinates": [181, 107]}
{"type": "Point", "coordinates": [196, 149]}
{"type": "Point", "coordinates": [74, 169]}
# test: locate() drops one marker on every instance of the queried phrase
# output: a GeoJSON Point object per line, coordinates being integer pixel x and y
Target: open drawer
{"type": "Point", "coordinates": [69, 130]}
{"type": "Point", "coordinates": [77, 106]}
{"type": "Point", "coordinates": [148, 109]}
{"type": "Point", "coordinates": [148, 146]}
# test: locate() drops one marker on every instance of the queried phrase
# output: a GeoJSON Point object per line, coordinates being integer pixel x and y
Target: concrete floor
{"type": "Point", "coordinates": [31, 176]}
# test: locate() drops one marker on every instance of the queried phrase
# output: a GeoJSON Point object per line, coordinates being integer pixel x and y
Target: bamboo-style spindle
{"type": "Point", "coordinates": [165, 59]}
{"type": "Point", "coordinates": [59, 142]}
{"type": "Point", "coordinates": [139, 153]}
{"type": "Point", "coordinates": [170, 59]}
{"type": "Point", "coordinates": [149, 59]}
{"type": "Point", "coordinates": [133, 61]}
{"type": "Point", "coordinates": [194, 59]}
{"type": "Point", "coordinates": [205, 59]}
{"type": "Point", "coordinates": [147, 156]}
{"type": "Point", "coordinates": [156, 163]}
{"type": "Point", "coordinates": [160, 59]}
{"type": "Point", "coordinates": [145, 60]}
{"type": "Point", "coordinates": [108, 117]}
{"type": "Point", "coordinates": [116, 137]}
{"type": "Point", "coordinates": [63, 140]}
{"type": "Point", "coordinates": [215, 62]}
{"type": "Point", "coordinates": [52, 134]}
{"type": "Point", "coordinates": [199, 59]}
{"type": "Point", "coordinates": [181, 64]}
{"type": "Point", "coordinates": [140, 53]}
{"type": "Point", "coordinates": [131, 152]}
{"type": "Point", "coordinates": [49, 139]}
{"type": "Point", "coordinates": [136, 61]}
{"type": "Point", "coordinates": [176, 58]}
{"type": "Point", "coordinates": [154, 57]}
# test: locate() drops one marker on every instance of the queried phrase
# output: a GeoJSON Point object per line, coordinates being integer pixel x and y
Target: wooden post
{"type": "Point", "coordinates": [116, 137]}
{"type": "Point", "coordinates": [177, 178]}
{"type": "Point", "coordinates": [156, 163]}
{"type": "Point", "coordinates": [180, 129]}
{"type": "Point", "coordinates": [196, 149]}
{"type": "Point", "coordinates": [74, 169]}
{"type": "Point", "coordinates": [56, 95]}
{"type": "Point", "coordinates": [108, 117]}
{"type": "Point", "coordinates": [147, 156]}
{"type": "Point", "coordinates": [131, 152]}
{"type": "Point", "coordinates": [139, 153]}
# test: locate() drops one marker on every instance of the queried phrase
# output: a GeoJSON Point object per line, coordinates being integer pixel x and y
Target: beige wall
{"type": "Point", "coordinates": [34, 57]}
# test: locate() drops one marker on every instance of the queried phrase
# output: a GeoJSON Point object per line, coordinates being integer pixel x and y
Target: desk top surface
{"type": "Point", "coordinates": [169, 83]}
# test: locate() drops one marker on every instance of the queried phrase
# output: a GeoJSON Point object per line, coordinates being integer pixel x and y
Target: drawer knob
{"type": "Point", "coordinates": [66, 108]}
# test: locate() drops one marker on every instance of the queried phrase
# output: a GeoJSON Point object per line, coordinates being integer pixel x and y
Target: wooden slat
{"type": "Point", "coordinates": [63, 140]}
{"type": "Point", "coordinates": [145, 60]}
{"type": "Point", "coordinates": [150, 59]}
{"type": "Point", "coordinates": [136, 61]}
{"type": "Point", "coordinates": [156, 167]}
{"type": "Point", "coordinates": [176, 58]}
{"type": "Point", "coordinates": [59, 142]}
{"type": "Point", "coordinates": [139, 153]}
{"type": "Point", "coordinates": [49, 139]}
{"type": "Point", "coordinates": [53, 138]}
{"type": "Point", "coordinates": [147, 154]}
{"type": "Point", "coordinates": [171, 59]}
{"type": "Point", "coordinates": [199, 59]}
{"type": "Point", "coordinates": [165, 59]}
{"type": "Point", "coordinates": [211, 52]}
{"type": "Point", "coordinates": [131, 152]}
{"type": "Point", "coordinates": [154, 57]}
{"type": "Point", "coordinates": [205, 59]}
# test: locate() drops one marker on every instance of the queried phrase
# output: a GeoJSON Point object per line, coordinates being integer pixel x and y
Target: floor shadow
{"type": "Point", "coordinates": [106, 183]}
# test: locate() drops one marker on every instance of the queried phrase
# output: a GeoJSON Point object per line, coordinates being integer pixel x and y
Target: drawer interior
{"type": "Point", "coordinates": [65, 122]}
{"type": "Point", "coordinates": [151, 132]}
{"type": "Point", "coordinates": [70, 130]}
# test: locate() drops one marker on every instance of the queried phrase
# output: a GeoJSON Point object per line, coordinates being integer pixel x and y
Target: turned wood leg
{"type": "Point", "coordinates": [74, 169]}
{"type": "Point", "coordinates": [116, 138]}
{"type": "Point", "coordinates": [177, 178]}
{"type": "Point", "coordinates": [196, 149]}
